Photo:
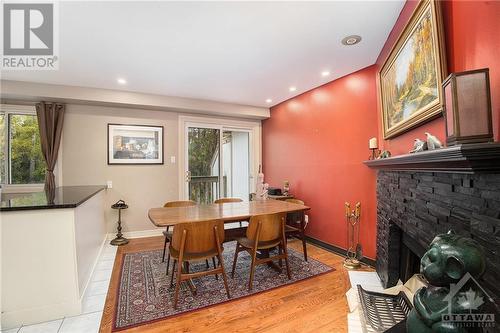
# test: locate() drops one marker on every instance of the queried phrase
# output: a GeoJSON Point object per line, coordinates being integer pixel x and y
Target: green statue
{"type": "Point", "coordinates": [450, 266]}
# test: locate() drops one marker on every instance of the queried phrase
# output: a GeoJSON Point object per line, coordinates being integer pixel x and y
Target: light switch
{"type": "Point", "coordinates": [172, 159]}
{"type": "Point", "coordinates": [109, 184]}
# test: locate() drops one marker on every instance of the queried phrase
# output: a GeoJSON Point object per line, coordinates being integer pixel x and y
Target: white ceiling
{"type": "Point", "coordinates": [239, 52]}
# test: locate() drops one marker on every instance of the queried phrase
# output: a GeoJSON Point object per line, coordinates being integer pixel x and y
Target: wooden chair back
{"type": "Point", "coordinates": [296, 201]}
{"type": "Point", "coordinates": [200, 236]}
{"type": "Point", "coordinates": [182, 203]}
{"type": "Point", "coordinates": [226, 200]}
{"type": "Point", "coordinates": [271, 227]}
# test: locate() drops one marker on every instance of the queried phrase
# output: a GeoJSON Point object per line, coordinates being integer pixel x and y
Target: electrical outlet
{"type": "Point", "coordinates": [172, 159]}
{"type": "Point", "coordinates": [109, 184]}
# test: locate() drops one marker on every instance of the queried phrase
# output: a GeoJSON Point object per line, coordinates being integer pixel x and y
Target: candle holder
{"type": "Point", "coordinates": [352, 219]}
{"type": "Point", "coordinates": [119, 240]}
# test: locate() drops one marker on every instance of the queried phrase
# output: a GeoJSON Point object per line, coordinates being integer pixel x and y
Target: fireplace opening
{"type": "Point", "coordinates": [409, 260]}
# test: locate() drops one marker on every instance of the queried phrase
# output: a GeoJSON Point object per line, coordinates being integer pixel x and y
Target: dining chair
{"type": "Point", "coordinates": [227, 200]}
{"type": "Point", "coordinates": [168, 234]}
{"type": "Point", "coordinates": [236, 229]}
{"type": "Point", "coordinates": [195, 242]}
{"type": "Point", "coordinates": [295, 225]}
{"type": "Point", "coordinates": [264, 232]}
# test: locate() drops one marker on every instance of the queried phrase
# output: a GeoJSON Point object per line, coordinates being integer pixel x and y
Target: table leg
{"type": "Point", "coordinates": [265, 254]}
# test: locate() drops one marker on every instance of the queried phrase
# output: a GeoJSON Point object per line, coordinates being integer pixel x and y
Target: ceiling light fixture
{"type": "Point", "coordinates": [269, 100]}
{"type": "Point", "coordinates": [292, 89]}
{"type": "Point", "coordinates": [325, 73]}
{"type": "Point", "coordinates": [351, 40]}
{"type": "Point", "coordinates": [121, 81]}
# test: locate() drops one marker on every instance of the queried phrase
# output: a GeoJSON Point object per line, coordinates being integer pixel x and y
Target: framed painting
{"type": "Point", "coordinates": [411, 77]}
{"type": "Point", "coordinates": [135, 144]}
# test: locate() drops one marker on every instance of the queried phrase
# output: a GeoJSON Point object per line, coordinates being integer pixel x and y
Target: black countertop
{"type": "Point", "coordinates": [65, 197]}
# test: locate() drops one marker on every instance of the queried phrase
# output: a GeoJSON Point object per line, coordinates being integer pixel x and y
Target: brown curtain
{"type": "Point", "coordinates": [50, 123]}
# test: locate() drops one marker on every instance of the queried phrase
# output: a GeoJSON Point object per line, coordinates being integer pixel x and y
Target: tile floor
{"type": "Point", "coordinates": [93, 302]}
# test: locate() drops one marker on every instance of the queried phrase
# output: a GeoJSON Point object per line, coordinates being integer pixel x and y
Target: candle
{"type": "Point", "coordinates": [373, 143]}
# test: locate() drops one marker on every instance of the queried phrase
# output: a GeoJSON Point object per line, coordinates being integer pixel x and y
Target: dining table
{"type": "Point", "coordinates": [227, 212]}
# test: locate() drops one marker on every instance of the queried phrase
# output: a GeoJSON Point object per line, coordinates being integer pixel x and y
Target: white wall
{"type": "Point", "coordinates": [90, 233]}
{"type": "Point", "coordinates": [84, 162]}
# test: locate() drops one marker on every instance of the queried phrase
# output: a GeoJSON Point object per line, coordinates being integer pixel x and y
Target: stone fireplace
{"type": "Point", "coordinates": [420, 196]}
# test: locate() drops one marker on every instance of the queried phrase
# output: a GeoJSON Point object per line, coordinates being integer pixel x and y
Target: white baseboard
{"type": "Point", "coordinates": [139, 234]}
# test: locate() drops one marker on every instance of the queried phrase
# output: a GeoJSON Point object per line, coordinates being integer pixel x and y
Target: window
{"type": "Point", "coordinates": [20, 150]}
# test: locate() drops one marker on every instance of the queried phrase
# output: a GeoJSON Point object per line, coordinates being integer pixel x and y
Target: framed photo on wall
{"type": "Point", "coordinates": [135, 144]}
{"type": "Point", "coordinates": [411, 77]}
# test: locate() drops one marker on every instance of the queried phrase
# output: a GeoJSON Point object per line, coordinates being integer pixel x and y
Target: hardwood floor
{"type": "Point", "coordinates": [314, 305]}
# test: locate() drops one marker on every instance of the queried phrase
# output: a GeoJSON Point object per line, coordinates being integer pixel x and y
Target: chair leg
{"type": "Point", "coordinates": [224, 276]}
{"type": "Point", "coordinates": [303, 236]}
{"type": "Point", "coordinates": [164, 250]}
{"type": "Point", "coordinates": [168, 262]}
{"type": "Point", "coordinates": [286, 262]}
{"type": "Point", "coordinates": [173, 273]}
{"type": "Point", "coordinates": [215, 266]}
{"type": "Point", "coordinates": [235, 259]}
{"type": "Point", "coordinates": [304, 247]}
{"type": "Point", "coordinates": [252, 269]}
{"type": "Point", "coordinates": [280, 251]}
{"type": "Point", "coordinates": [206, 263]}
{"type": "Point", "coordinates": [177, 284]}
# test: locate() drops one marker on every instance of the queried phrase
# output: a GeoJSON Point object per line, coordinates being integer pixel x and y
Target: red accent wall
{"type": "Point", "coordinates": [472, 30]}
{"type": "Point", "coordinates": [319, 139]}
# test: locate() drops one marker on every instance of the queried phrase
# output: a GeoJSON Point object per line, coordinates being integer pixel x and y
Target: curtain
{"type": "Point", "coordinates": [50, 123]}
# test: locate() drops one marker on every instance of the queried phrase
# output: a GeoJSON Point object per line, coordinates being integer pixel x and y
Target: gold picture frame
{"type": "Point", "coordinates": [410, 79]}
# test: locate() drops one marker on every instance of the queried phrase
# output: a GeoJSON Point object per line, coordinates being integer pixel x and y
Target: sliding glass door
{"type": "Point", "coordinates": [217, 163]}
{"type": "Point", "coordinates": [203, 161]}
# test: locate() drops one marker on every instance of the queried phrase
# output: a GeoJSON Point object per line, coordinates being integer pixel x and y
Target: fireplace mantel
{"type": "Point", "coordinates": [466, 158]}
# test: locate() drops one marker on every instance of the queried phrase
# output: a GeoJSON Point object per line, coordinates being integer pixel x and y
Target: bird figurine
{"type": "Point", "coordinates": [433, 142]}
{"type": "Point", "coordinates": [419, 146]}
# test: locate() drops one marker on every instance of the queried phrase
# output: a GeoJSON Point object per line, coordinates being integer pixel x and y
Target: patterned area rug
{"type": "Point", "coordinates": [145, 294]}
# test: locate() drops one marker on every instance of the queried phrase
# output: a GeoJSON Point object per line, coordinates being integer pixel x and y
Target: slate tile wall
{"type": "Point", "coordinates": [424, 204]}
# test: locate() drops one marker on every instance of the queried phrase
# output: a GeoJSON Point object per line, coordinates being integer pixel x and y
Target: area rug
{"type": "Point", "coordinates": [145, 295]}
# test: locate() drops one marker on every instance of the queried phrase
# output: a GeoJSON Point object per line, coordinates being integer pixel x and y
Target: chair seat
{"type": "Point", "coordinates": [248, 243]}
{"type": "Point", "coordinates": [193, 256]}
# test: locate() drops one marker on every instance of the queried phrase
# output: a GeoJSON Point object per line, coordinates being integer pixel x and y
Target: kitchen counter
{"type": "Point", "coordinates": [64, 197]}
{"type": "Point", "coordinates": [49, 249]}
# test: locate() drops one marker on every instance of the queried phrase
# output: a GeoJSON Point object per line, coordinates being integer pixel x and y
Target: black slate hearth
{"type": "Point", "coordinates": [424, 204]}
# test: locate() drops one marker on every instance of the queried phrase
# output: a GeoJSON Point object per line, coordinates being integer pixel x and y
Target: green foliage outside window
{"type": "Point", "coordinates": [27, 165]}
{"type": "Point", "coordinates": [2, 149]}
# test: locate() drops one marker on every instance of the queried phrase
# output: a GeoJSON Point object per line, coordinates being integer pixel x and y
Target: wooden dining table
{"type": "Point", "coordinates": [228, 212]}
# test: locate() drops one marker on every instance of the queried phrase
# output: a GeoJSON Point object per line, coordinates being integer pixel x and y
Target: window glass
{"type": "Point", "coordinates": [27, 165]}
{"type": "Point", "coordinates": [2, 148]}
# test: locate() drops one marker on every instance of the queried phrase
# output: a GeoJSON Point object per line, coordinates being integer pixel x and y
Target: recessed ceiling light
{"type": "Point", "coordinates": [269, 100]}
{"type": "Point", "coordinates": [121, 81]}
{"type": "Point", "coordinates": [351, 40]}
{"type": "Point", "coordinates": [292, 89]}
{"type": "Point", "coordinates": [325, 73]}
